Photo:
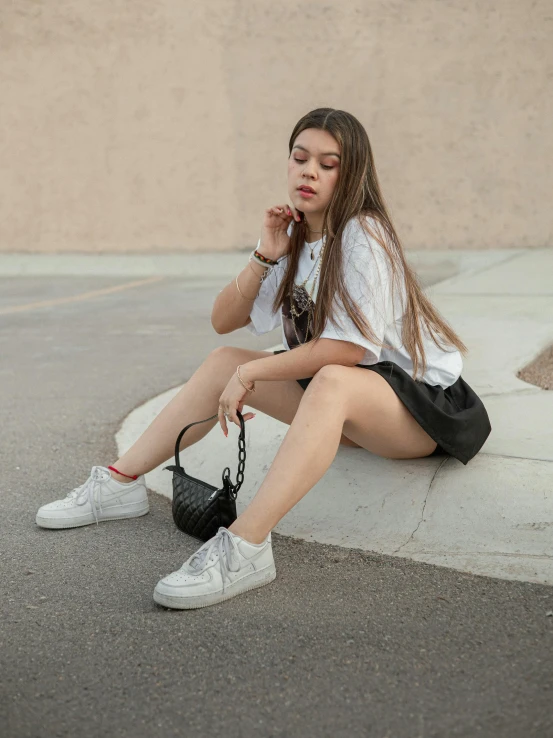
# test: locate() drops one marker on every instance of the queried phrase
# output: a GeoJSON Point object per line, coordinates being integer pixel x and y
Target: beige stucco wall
{"type": "Point", "coordinates": [131, 125]}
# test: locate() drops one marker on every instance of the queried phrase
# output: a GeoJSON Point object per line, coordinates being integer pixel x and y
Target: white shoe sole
{"type": "Point", "coordinates": [262, 577]}
{"type": "Point", "coordinates": [135, 511]}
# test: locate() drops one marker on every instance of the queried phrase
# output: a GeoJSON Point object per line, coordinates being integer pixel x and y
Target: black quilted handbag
{"type": "Point", "coordinates": [199, 508]}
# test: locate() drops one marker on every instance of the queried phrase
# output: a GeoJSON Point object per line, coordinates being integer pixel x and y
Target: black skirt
{"type": "Point", "coordinates": [454, 417]}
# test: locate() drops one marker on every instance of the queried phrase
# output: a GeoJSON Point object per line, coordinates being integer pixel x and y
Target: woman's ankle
{"type": "Point", "coordinates": [250, 535]}
{"type": "Point", "coordinates": [123, 478]}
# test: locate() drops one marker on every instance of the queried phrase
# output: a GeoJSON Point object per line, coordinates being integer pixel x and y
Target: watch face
{"type": "Point", "coordinates": [297, 329]}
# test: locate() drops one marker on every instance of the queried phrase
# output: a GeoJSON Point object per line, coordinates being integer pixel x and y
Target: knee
{"type": "Point", "coordinates": [222, 362]}
{"type": "Point", "coordinates": [330, 380]}
{"type": "Point", "coordinates": [224, 356]}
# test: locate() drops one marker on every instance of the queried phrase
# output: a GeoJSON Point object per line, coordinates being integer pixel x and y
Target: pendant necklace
{"type": "Point", "coordinates": [300, 294]}
{"type": "Point", "coordinates": [312, 249]}
{"type": "Point", "coordinates": [304, 300]}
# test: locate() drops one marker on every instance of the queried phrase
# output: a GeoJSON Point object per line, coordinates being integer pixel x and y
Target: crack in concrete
{"type": "Point", "coordinates": [511, 295]}
{"type": "Point", "coordinates": [510, 393]}
{"type": "Point", "coordinates": [510, 456]}
{"type": "Point", "coordinates": [441, 554]}
{"type": "Point", "coordinates": [442, 464]}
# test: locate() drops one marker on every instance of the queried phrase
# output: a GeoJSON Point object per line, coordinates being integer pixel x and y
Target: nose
{"type": "Point", "coordinates": [309, 169]}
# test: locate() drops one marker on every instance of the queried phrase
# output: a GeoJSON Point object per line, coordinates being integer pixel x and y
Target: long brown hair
{"type": "Point", "coordinates": [357, 195]}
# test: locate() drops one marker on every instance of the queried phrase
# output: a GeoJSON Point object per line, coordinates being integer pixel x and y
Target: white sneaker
{"type": "Point", "coordinates": [100, 498]}
{"type": "Point", "coordinates": [224, 566]}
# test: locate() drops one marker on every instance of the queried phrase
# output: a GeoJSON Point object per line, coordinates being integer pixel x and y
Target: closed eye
{"type": "Point", "coordinates": [302, 161]}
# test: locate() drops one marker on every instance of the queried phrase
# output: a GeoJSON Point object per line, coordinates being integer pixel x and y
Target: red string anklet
{"type": "Point", "coordinates": [121, 473]}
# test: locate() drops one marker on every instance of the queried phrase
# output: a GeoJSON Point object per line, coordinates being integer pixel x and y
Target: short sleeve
{"type": "Point", "coordinates": [368, 280]}
{"type": "Point", "coordinates": [263, 317]}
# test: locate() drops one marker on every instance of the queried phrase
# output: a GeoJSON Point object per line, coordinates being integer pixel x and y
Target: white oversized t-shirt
{"type": "Point", "coordinates": [368, 279]}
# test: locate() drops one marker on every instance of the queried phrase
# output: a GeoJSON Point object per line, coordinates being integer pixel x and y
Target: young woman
{"type": "Point", "coordinates": [368, 363]}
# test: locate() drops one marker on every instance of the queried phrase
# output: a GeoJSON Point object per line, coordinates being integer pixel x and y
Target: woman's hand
{"type": "Point", "coordinates": [275, 242]}
{"type": "Point", "coordinates": [232, 400]}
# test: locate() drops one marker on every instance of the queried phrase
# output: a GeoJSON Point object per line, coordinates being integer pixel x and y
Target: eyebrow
{"type": "Point", "coordinates": [328, 153]}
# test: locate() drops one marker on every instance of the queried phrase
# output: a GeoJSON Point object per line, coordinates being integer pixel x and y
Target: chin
{"type": "Point", "coordinates": [306, 206]}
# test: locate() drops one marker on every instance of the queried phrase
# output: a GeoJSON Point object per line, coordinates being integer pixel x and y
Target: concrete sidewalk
{"type": "Point", "coordinates": [434, 265]}
{"type": "Point", "coordinates": [493, 516]}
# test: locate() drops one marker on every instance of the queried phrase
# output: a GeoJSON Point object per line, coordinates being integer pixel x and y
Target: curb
{"type": "Point", "coordinates": [493, 517]}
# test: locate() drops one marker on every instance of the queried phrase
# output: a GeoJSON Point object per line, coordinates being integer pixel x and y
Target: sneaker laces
{"type": "Point", "coordinates": [222, 542]}
{"type": "Point", "coordinates": [87, 492]}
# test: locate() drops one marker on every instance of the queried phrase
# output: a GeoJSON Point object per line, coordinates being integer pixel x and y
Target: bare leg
{"type": "Point", "coordinates": [357, 400]}
{"type": "Point", "coordinates": [199, 399]}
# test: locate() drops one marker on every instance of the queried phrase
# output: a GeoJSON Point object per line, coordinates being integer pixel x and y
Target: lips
{"type": "Point", "coordinates": [306, 188]}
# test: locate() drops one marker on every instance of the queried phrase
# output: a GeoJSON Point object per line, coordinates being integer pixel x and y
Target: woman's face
{"type": "Point", "coordinates": [314, 163]}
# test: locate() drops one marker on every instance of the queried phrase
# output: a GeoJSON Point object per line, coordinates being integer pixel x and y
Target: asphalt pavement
{"type": "Point", "coordinates": [343, 643]}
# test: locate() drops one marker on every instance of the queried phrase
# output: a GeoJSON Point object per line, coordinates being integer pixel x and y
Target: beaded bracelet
{"type": "Point", "coordinates": [263, 260]}
{"type": "Point", "coordinates": [258, 261]}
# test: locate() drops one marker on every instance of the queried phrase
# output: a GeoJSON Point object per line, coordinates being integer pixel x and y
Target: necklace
{"type": "Point", "coordinates": [299, 291]}
{"type": "Point", "coordinates": [312, 249]}
{"type": "Point", "coordinates": [303, 300]}
{"type": "Point", "coordinates": [316, 242]}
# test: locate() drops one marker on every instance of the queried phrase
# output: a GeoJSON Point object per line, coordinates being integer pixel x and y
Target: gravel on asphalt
{"type": "Point", "coordinates": [540, 370]}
